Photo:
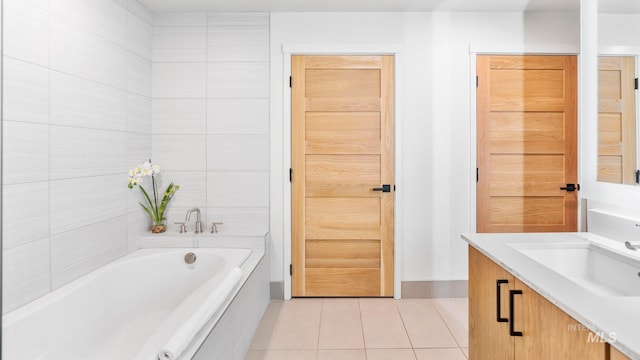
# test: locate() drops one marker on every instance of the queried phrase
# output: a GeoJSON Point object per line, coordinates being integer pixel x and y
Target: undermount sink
{"type": "Point", "coordinates": [597, 269]}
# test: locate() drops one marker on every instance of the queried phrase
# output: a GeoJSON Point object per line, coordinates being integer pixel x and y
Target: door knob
{"type": "Point", "coordinates": [384, 188]}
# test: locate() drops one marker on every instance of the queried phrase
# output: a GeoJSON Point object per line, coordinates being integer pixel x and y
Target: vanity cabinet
{"type": "Point", "coordinates": [616, 355]}
{"type": "Point", "coordinates": [509, 320]}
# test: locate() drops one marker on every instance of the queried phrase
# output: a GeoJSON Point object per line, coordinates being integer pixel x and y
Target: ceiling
{"type": "Point", "coordinates": [365, 5]}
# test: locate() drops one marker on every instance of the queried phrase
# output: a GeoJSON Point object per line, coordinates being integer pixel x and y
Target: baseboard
{"type": "Point", "coordinates": [410, 289]}
{"type": "Point", "coordinates": [277, 290]}
{"type": "Point", "coordinates": [435, 289]}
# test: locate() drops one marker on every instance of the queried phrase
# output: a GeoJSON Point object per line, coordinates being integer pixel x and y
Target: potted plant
{"type": "Point", "coordinates": [154, 208]}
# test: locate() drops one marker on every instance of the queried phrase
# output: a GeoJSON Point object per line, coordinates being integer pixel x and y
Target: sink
{"type": "Point", "coordinates": [598, 269]}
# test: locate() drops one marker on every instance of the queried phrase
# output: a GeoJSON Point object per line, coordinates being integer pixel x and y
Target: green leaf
{"type": "Point", "coordinates": [148, 211]}
{"type": "Point", "coordinates": [152, 210]}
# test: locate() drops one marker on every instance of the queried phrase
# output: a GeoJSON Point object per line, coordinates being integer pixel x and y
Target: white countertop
{"type": "Point", "coordinates": [618, 318]}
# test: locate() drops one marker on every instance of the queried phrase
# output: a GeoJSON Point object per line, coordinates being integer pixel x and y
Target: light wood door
{"type": "Point", "coordinates": [342, 149]}
{"type": "Point", "coordinates": [616, 119]}
{"type": "Point", "coordinates": [489, 286]}
{"type": "Point", "coordinates": [549, 333]}
{"type": "Point", "coordinates": [526, 143]}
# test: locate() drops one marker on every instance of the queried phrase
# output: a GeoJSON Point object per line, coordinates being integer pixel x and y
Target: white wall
{"type": "Point", "coordinates": [211, 116]}
{"type": "Point", "coordinates": [436, 128]}
{"type": "Point", "coordinates": [77, 114]}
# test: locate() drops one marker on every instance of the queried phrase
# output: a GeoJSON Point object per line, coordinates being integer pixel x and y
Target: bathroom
{"type": "Point", "coordinates": [92, 90]}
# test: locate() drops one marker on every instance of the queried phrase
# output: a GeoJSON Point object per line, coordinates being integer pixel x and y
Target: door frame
{"type": "Point", "coordinates": [342, 49]}
{"type": "Point", "coordinates": [497, 49]}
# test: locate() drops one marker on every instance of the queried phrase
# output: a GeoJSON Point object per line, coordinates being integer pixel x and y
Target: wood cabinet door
{"type": "Point", "coordinates": [488, 338]}
{"type": "Point", "coordinates": [549, 333]}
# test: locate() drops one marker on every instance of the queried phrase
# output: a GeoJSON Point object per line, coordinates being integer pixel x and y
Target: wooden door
{"type": "Point", "coordinates": [342, 149]}
{"type": "Point", "coordinates": [489, 286]}
{"type": "Point", "coordinates": [616, 119]}
{"type": "Point", "coordinates": [526, 143]}
{"type": "Point", "coordinates": [549, 333]}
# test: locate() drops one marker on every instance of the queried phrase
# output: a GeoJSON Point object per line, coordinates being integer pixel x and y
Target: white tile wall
{"type": "Point", "coordinates": [77, 112]}
{"type": "Point", "coordinates": [138, 149]}
{"type": "Point", "coordinates": [179, 116]}
{"type": "Point", "coordinates": [84, 201]}
{"type": "Point", "coordinates": [43, 4]}
{"type": "Point", "coordinates": [26, 273]}
{"type": "Point", "coordinates": [139, 36]}
{"type": "Point", "coordinates": [26, 31]}
{"type": "Point", "coordinates": [84, 103]}
{"type": "Point", "coordinates": [179, 80]}
{"type": "Point", "coordinates": [211, 76]}
{"type": "Point", "coordinates": [138, 113]}
{"type": "Point", "coordinates": [192, 185]}
{"type": "Point", "coordinates": [26, 152]}
{"type": "Point", "coordinates": [24, 224]}
{"type": "Point", "coordinates": [104, 18]}
{"type": "Point", "coordinates": [238, 80]}
{"type": "Point", "coordinates": [179, 19]}
{"type": "Point", "coordinates": [85, 249]}
{"type": "Point", "coordinates": [241, 221]}
{"type": "Point", "coordinates": [137, 223]}
{"type": "Point", "coordinates": [180, 152]}
{"type": "Point", "coordinates": [136, 9]}
{"type": "Point", "coordinates": [238, 37]}
{"type": "Point", "coordinates": [78, 52]}
{"type": "Point", "coordinates": [138, 75]}
{"type": "Point", "coordinates": [237, 116]}
{"type": "Point", "coordinates": [25, 91]}
{"type": "Point", "coordinates": [238, 19]}
{"type": "Point", "coordinates": [180, 44]}
{"type": "Point", "coordinates": [79, 152]}
{"type": "Point", "coordinates": [237, 152]}
{"type": "Point", "coordinates": [242, 189]}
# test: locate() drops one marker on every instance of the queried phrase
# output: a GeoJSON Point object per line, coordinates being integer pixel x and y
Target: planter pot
{"type": "Point", "coordinates": [158, 228]}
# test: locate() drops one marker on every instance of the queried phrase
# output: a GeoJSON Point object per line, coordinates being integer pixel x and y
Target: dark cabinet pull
{"type": "Point", "coordinates": [498, 283]}
{"type": "Point", "coordinates": [512, 293]}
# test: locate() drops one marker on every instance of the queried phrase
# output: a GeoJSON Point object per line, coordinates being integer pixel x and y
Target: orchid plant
{"type": "Point", "coordinates": [154, 208]}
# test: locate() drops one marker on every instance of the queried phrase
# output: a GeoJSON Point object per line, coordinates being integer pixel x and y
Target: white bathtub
{"type": "Point", "coordinates": [125, 310]}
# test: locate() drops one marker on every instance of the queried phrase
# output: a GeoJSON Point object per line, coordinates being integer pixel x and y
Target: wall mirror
{"type": "Point", "coordinates": [619, 49]}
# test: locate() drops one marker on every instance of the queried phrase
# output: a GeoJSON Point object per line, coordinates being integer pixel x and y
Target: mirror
{"type": "Point", "coordinates": [619, 48]}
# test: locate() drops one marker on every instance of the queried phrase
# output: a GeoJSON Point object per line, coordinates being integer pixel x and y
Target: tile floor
{"type": "Point", "coordinates": [359, 329]}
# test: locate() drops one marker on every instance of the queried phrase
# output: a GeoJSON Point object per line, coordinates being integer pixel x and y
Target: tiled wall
{"type": "Point", "coordinates": [211, 116]}
{"type": "Point", "coordinates": [77, 115]}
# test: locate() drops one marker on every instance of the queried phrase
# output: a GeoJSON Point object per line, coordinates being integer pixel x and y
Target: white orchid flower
{"type": "Point", "coordinates": [155, 206]}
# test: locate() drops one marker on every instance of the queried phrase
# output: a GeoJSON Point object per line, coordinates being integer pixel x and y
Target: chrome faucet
{"type": "Point", "coordinates": [198, 219]}
{"type": "Point", "coordinates": [632, 246]}
{"type": "Point", "coordinates": [214, 227]}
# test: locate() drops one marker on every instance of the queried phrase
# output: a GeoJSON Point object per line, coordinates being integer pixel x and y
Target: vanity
{"type": "Point", "coordinates": [552, 296]}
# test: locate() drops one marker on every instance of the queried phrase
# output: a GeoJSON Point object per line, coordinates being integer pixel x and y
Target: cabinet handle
{"type": "Point", "coordinates": [498, 283]}
{"type": "Point", "coordinates": [512, 293]}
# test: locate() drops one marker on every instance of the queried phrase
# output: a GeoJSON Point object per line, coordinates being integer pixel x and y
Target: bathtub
{"type": "Point", "coordinates": [128, 309]}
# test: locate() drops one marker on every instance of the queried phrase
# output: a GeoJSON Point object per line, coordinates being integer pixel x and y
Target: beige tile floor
{"type": "Point", "coordinates": [362, 329]}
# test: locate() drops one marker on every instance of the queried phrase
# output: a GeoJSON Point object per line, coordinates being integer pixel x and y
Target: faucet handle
{"type": "Point", "coordinates": [183, 227]}
{"type": "Point", "coordinates": [214, 227]}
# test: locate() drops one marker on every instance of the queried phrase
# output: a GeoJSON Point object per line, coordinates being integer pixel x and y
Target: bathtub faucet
{"type": "Point", "coordinates": [198, 219]}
